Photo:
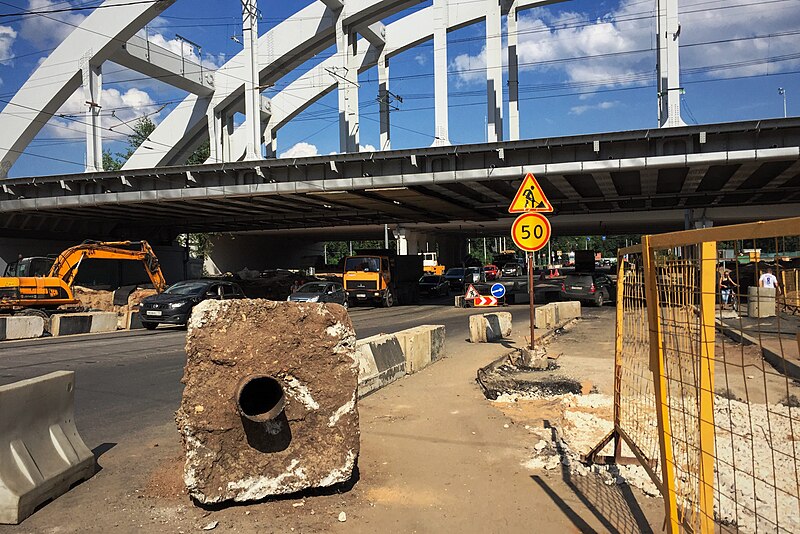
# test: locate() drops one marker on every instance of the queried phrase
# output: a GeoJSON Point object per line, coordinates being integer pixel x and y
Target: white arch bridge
{"type": "Point", "coordinates": [650, 179]}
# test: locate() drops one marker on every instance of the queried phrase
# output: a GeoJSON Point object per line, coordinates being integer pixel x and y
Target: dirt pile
{"type": "Point", "coordinates": [101, 300]}
{"type": "Point", "coordinates": [269, 405]}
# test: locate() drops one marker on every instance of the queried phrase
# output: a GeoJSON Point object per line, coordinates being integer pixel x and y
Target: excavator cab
{"type": "Point", "coordinates": [35, 266]}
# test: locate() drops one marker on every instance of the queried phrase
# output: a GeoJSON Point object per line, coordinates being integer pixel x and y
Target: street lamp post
{"type": "Point", "coordinates": [782, 92]}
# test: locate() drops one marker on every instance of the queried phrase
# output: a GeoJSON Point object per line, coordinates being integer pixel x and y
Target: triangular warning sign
{"type": "Point", "coordinates": [472, 293]}
{"type": "Point", "coordinates": [530, 197]}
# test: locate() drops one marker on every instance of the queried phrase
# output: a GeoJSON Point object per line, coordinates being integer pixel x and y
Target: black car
{"type": "Point", "coordinates": [592, 288]}
{"type": "Point", "coordinates": [513, 269]}
{"type": "Point", "coordinates": [320, 292]}
{"type": "Point", "coordinates": [174, 306]}
{"type": "Point", "coordinates": [455, 277]}
{"type": "Point", "coordinates": [434, 285]}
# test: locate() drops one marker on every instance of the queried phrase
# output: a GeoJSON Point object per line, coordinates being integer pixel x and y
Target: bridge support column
{"type": "Point", "coordinates": [513, 74]}
{"type": "Point", "coordinates": [252, 94]}
{"type": "Point", "coordinates": [669, 85]}
{"type": "Point", "coordinates": [220, 129]}
{"type": "Point", "coordinates": [347, 80]}
{"type": "Point", "coordinates": [494, 72]}
{"type": "Point", "coordinates": [384, 99]}
{"type": "Point", "coordinates": [440, 102]}
{"type": "Point", "coordinates": [92, 92]}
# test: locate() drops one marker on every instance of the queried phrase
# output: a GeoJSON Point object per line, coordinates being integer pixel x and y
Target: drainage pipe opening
{"type": "Point", "coordinates": [260, 398]}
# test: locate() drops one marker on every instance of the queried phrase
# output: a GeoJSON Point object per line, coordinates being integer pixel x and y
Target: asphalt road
{"type": "Point", "coordinates": [128, 381]}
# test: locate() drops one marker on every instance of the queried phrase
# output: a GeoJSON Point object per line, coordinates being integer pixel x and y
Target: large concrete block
{"type": "Point", "coordinates": [761, 301]}
{"type": "Point", "coordinates": [103, 322]}
{"type": "Point", "coordinates": [545, 316]}
{"type": "Point", "coordinates": [269, 404]}
{"type": "Point", "coordinates": [21, 327]}
{"type": "Point", "coordinates": [488, 327]}
{"type": "Point", "coordinates": [566, 311]}
{"type": "Point", "coordinates": [380, 361]}
{"type": "Point", "coordinates": [421, 346]}
{"type": "Point", "coordinates": [41, 453]}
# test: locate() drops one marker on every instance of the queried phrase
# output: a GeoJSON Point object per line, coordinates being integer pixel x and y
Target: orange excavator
{"type": "Point", "coordinates": [45, 283]}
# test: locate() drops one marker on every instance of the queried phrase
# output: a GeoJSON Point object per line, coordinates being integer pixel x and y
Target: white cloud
{"type": "Point", "coordinates": [367, 148]}
{"type": "Point", "coordinates": [176, 46]}
{"type": "Point", "coordinates": [580, 110]}
{"type": "Point", "coordinates": [7, 37]}
{"type": "Point", "coordinates": [421, 58]}
{"type": "Point", "coordinates": [51, 29]}
{"type": "Point", "coordinates": [127, 108]}
{"type": "Point", "coordinates": [618, 46]}
{"type": "Point", "coordinates": [300, 150]}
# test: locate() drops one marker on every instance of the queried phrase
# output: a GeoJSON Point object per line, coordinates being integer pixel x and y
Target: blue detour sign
{"type": "Point", "coordinates": [498, 290]}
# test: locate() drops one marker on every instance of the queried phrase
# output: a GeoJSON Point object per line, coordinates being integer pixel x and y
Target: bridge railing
{"type": "Point", "coordinates": [706, 377]}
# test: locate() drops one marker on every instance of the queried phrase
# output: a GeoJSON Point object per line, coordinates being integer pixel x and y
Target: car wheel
{"type": "Point", "coordinates": [149, 326]}
{"type": "Point", "coordinates": [388, 300]}
{"type": "Point", "coordinates": [599, 300]}
{"type": "Point", "coordinates": [346, 304]}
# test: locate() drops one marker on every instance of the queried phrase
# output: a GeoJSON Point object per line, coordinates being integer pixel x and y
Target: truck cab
{"type": "Point", "coordinates": [430, 263]}
{"type": "Point", "coordinates": [382, 278]}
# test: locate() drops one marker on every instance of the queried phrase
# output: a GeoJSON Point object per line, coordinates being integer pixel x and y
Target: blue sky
{"type": "Point", "coordinates": [586, 67]}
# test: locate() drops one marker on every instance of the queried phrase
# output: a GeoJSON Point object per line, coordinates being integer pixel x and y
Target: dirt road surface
{"type": "Point", "coordinates": [436, 456]}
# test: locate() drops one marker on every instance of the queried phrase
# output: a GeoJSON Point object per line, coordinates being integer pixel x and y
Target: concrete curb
{"type": "Point", "coordinates": [41, 453]}
{"type": "Point", "coordinates": [777, 361]}
{"type": "Point", "coordinates": [66, 324]}
{"type": "Point", "coordinates": [21, 327]}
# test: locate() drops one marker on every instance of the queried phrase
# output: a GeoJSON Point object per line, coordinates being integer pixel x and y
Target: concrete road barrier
{"type": "Point", "coordinates": [130, 320]}
{"type": "Point", "coordinates": [65, 324]}
{"type": "Point", "coordinates": [421, 346]}
{"type": "Point", "coordinates": [566, 311]}
{"type": "Point", "coordinates": [459, 301]}
{"type": "Point", "coordinates": [486, 327]}
{"type": "Point", "coordinates": [21, 327]}
{"type": "Point", "coordinates": [545, 316]}
{"type": "Point", "coordinates": [380, 362]}
{"type": "Point", "coordinates": [41, 453]}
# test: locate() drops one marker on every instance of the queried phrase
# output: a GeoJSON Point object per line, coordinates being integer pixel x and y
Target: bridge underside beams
{"type": "Point", "coordinates": [632, 176]}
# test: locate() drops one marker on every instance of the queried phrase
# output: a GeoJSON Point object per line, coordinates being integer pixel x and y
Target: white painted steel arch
{"type": "Point", "coordinates": [99, 36]}
{"type": "Point", "coordinates": [282, 49]}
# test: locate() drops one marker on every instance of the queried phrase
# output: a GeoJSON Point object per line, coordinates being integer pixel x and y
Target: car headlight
{"type": "Point", "coordinates": [314, 299]}
{"type": "Point", "coordinates": [178, 304]}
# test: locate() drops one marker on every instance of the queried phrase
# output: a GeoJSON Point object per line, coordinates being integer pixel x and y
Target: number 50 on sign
{"type": "Point", "coordinates": [531, 231]}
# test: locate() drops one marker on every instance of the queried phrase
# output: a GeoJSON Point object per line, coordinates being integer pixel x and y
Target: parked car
{"type": "Point", "coordinates": [473, 275]}
{"type": "Point", "coordinates": [591, 288]}
{"type": "Point", "coordinates": [491, 272]}
{"type": "Point", "coordinates": [175, 304]}
{"type": "Point", "coordinates": [320, 292]}
{"type": "Point", "coordinates": [434, 285]}
{"type": "Point", "coordinates": [455, 277]}
{"type": "Point", "coordinates": [512, 269]}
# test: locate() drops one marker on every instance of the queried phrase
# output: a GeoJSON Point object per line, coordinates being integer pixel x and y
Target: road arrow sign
{"type": "Point", "coordinates": [498, 291]}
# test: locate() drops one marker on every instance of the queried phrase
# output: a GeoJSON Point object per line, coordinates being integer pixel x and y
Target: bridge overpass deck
{"type": "Point", "coordinates": [739, 171]}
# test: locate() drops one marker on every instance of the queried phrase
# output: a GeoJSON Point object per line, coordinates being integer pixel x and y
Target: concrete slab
{"type": "Point", "coordinates": [380, 362]}
{"type": "Point", "coordinates": [567, 310]}
{"type": "Point", "coordinates": [421, 346]}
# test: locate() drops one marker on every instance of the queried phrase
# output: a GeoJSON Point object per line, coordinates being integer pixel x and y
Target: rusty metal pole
{"type": "Point", "coordinates": [530, 294]}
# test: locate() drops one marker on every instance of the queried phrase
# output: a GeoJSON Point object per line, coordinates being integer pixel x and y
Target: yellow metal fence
{"type": "Point", "coordinates": [707, 379]}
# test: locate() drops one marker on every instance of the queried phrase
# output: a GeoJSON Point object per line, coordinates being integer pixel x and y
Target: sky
{"type": "Point", "coordinates": [585, 67]}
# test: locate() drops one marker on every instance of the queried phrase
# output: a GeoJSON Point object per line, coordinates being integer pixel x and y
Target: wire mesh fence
{"type": "Point", "coordinates": [717, 421]}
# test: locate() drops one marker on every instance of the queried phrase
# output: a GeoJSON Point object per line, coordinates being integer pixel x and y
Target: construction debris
{"type": "Point", "coordinates": [269, 405]}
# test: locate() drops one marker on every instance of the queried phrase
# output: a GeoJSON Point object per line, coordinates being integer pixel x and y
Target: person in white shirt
{"type": "Point", "coordinates": [769, 280]}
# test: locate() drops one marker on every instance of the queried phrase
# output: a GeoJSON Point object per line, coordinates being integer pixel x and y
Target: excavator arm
{"type": "Point", "coordinates": [66, 265]}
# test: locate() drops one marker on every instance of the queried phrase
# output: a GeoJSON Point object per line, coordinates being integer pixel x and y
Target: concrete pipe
{"type": "Point", "coordinates": [260, 398]}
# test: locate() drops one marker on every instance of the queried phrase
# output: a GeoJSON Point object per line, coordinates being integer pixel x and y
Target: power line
{"type": "Point", "coordinates": [74, 9]}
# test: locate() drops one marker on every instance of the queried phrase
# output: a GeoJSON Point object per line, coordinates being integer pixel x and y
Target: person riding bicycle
{"type": "Point", "coordinates": [726, 286]}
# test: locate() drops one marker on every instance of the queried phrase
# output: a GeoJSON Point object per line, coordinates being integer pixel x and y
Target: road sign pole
{"type": "Point", "coordinates": [530, 294]}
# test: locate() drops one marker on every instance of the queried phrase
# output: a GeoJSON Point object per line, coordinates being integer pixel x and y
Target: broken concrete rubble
{"type": "Point", "coordinates": [270, 403]}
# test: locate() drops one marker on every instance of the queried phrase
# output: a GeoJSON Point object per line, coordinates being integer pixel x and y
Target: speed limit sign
{"type": "Point", "coordinates": [531, 231]}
